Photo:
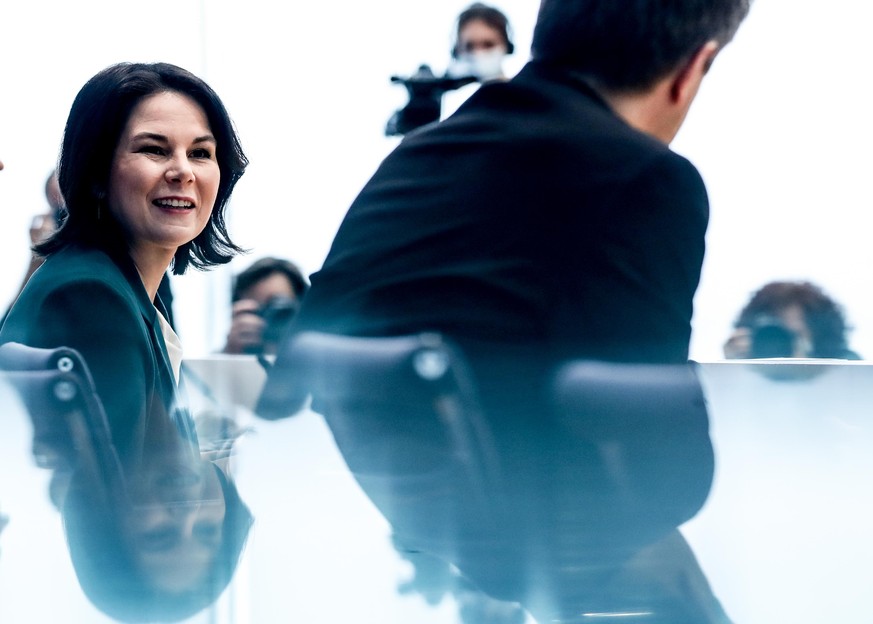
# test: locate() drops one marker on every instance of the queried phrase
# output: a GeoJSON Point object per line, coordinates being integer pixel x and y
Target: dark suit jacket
{"type": "Point", "coordinates": [533, 219]}
{"type": "Point", "coordinates": [96, 304]}
{"type": "Point", "coordinates": [532, 226]}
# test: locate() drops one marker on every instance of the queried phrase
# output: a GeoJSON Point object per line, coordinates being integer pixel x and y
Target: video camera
{"type": "Point", "coordinates": [425, 99]}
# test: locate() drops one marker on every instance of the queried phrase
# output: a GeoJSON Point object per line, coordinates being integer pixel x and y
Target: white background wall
{"type": "Point", "coordinates": [779, 131]}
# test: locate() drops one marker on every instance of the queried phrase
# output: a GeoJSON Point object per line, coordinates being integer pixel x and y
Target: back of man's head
{"type": "Point", "coordinates": [630, 45]}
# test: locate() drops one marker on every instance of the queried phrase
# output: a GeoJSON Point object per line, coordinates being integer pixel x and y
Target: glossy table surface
{"type": "Point", "coordinates": [785, 535]}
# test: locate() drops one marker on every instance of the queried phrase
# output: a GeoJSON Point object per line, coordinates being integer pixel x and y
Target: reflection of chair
{"type": "Point", "coordinates": [649, 426]}
{"type": "Point", "coordinates": [404, 413]}
{"type": "Point", "coordinates": [69, 424]}
{"type": "Point", "coordinates": [539, 503]}
{"type": "Point", "coordinates": [407, 387]}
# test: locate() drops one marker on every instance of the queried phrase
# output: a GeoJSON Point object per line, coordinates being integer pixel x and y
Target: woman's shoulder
{"type": "Point", "coordinates": [74, 275]}
{"type": "Point", "coordinates": [73, 291]}
{"type": "Point", "coordinates": [74, 259]}
{"type": "Point", "coordinates": [76, 265]}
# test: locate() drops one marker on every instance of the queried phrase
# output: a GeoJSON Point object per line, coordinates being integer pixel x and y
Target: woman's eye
{"type": "Point", "coordinates": [201, 153]}
{"type": "Point", "coordinates": [207, 533]}
{"type": "Point", "coordinates": [151, 149]}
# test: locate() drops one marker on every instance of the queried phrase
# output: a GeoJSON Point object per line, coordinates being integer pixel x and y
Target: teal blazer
{"type": "Point", "coordinates": [85, 299]}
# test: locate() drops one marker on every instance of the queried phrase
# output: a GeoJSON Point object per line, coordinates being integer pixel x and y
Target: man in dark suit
{"type": "Point", "coordinates": [548, 213]}
{"type": "Point", "coordinates": [548, 220]}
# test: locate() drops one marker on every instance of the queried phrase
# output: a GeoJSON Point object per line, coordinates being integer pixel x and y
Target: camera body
{"type": "Point", "coordinates": [277, 314]}
{"type": "Point", "coordinates": [425, 99]}
{"type": "Point", "coordinates": [771, 338]}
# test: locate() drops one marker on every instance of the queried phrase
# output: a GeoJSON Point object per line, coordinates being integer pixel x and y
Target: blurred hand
{"type": "Point", "coordinates": [246, 333]}
{"type": "Point", "coordinates": [739, 345]}
{"type": "Point", "coordinates": [41, 228]}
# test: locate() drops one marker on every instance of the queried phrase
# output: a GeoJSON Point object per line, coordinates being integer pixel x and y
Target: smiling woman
{"type": "Point", "coordinates": [164, 180]}
{"type": "Point", "coordinates": [148, 163]}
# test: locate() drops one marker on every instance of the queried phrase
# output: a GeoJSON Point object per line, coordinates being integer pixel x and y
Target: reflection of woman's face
{"type": "Point", "coordinates": [164, 176]}
{"type": "Point", "coordinates": [176, 523]}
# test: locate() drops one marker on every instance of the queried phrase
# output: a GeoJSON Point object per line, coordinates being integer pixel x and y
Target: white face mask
{"type": "Point", "coordinates": [485, 66]}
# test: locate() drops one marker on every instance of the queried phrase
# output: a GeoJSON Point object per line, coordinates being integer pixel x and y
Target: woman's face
{"type": "Point", "coordinates": [479, 36]}
{"type": "Point", "coordinates": [176, 522]}
{"type": "Point", "coordinates": [164, 176]}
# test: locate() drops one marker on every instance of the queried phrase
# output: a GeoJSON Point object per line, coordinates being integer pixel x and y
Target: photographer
{"type": "Point", "coordinates": [482, 41]}
{"type": "Point", "coordinates": [46, 223]}
{"type": "Point", "coordinates": [790, 319]}
{"type": "Point", "coordinates": [265, 298]}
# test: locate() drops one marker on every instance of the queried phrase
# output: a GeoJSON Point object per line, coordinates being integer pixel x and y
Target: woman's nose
{"type": "Point", "coordinates": [179, 170]}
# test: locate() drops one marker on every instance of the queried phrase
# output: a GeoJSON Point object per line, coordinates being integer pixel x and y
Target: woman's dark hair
{"type": "Point", "coordinates": [264, 268]}
{"type": "Point", "coordinates": [630, 45]}
{"type": "Point", "coordinates": [489, 15]}
{"type": "Point", "coordinates": [97, 118]}
{"type": "Point", "coordinates": [106, 566]}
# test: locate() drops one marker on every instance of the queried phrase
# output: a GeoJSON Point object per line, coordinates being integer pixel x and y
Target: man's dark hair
{"type": "Point", "coordinates": [264, 268]}
{"type": "Point", "coordinates": [823, 315]}
{"type": "Point", "coordinates": [629, 45]}
{"type": "Point", "coordinates": [97, 118]}
{"type": "Point", "coordinates": [491, 16]}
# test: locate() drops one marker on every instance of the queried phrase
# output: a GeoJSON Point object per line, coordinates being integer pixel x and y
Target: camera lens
{"type": "Point", "coordinates": [771, 339]}
{"type": "Point", "coordinates": [278, 314]}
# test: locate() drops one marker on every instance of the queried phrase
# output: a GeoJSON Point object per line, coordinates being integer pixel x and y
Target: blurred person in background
{"type": "Point", "coordinates": [44, 224]}
{"type": "Point", "coordinates": [265, 297]}
{"type": "Point", "coordinates": [482, 42]}
{"type": "Point", "coordinates": [790, 319]}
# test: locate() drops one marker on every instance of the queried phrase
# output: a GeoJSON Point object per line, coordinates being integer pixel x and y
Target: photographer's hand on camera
{"type": "Point", "coordinates": [739, 344]}
{"type": "Point", "coordinates": [41, 227]}
{"type": "Point", "coordinates": [247, 326]}
{"type": "Point", "coordinates": [768, 337]}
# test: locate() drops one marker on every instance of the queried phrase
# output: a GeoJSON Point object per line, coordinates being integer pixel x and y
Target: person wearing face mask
{"type": "Point", "coordinates": [482, 41]}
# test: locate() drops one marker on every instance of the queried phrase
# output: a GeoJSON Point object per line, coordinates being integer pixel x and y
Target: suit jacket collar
{"type": "Point", "coordinates": [539, 70]}
{"type": "Point", "coordinates": [149, 311]}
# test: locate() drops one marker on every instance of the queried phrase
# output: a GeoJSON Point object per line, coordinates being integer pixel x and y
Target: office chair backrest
{"type": "Point", "coordinates": [609, 400]}
{"type": "Point", "coordinates": [405, 416]}
{"type": "Point", "coordinates": [59, 394]}
{"type": "Point", "coordinates": [413, 370]}
{"type": "Point", "coordinates": [412, 387]}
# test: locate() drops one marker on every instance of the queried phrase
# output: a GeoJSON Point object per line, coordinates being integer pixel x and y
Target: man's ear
{"type": "Point", "coordinates": [687, 80]}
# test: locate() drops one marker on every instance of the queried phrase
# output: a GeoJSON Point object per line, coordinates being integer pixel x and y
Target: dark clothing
{"type": "Point", "coordinates": [165, 294]}
{"type": "Point", "coordinates": [533, 217]}
{"type": "Point", "coordinates": [86, 300]}
{"type": "Point", "coordinates": [531, 227]}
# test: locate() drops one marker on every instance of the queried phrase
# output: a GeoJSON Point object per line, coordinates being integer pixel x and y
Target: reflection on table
{"type": "Point", "coordinates": [783, 536]}
{"type": "Point", "coordinates": [153, 532]}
